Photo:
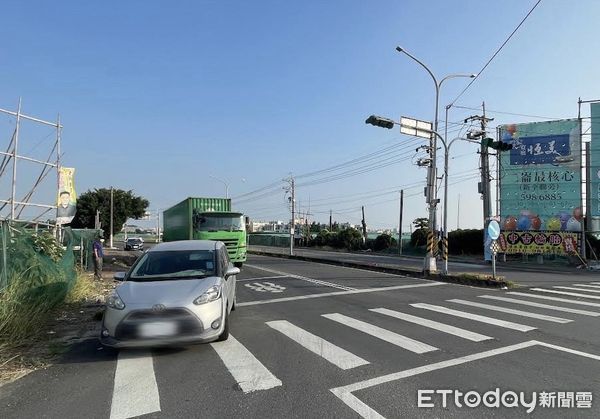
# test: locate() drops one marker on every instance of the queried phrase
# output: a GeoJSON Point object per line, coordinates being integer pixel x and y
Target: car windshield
{"type": "Point", "coordinates": [181, 264]}
{"type": "Point", "coordinates": [220, 223]}
{"type": "Point", "coordinates": [134, 241]}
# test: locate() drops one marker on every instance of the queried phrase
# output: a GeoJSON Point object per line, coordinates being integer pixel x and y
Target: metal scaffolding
{"type": "Point", "coordinates": [12, 155]}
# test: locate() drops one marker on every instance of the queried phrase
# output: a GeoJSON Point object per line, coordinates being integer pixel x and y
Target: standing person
{"type": "Point", "coordinates": [98, 255]}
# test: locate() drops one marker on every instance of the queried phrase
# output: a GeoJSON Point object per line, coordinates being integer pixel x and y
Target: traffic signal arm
{"type": "Point", "coordinates": [379, 121]}
{"type": "Point", "coordinates": [496, 145]}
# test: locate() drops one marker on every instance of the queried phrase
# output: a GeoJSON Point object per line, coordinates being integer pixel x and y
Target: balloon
{"type": "Point", "coordinates": [510, 223]}
{"type": "Point", "coordinates": [563, 216]}
{"type": "Point", "coordinates": [524, 223]}
{"type": "Point", "coordinates": [573, 224]}
{"type": "Point", "coordinates": [526, 213]}
{"type": "Point", "coordinates": [536, 223]}
{"type": "Point", "coordinates": [577, 213]}
{"type": "Point", "coordinates": [553, 224]}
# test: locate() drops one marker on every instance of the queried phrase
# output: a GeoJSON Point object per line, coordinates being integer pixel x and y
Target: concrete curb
{"type": "Point", "coordinates": [454, 279]}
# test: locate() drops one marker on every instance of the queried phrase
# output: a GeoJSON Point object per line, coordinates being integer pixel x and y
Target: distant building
{"type": "Point", "coordinates": [267, 226]}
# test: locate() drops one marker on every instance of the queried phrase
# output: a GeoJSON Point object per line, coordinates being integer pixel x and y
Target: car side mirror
{"type": "Point", "coordinates": [119, 276]}
{"type": "Point", "coordinates": [232, 270]}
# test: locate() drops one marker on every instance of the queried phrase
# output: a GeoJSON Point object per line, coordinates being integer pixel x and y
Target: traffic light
{"type": "Point", "coordinates": [379, 121]}
{"type": "Point", "coordinates": [496, 145]}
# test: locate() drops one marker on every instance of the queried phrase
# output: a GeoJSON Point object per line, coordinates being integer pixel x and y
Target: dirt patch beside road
{"type": "Point", "coordinates": [78, 319]}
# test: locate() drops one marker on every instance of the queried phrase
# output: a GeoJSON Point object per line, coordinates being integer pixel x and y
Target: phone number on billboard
{"type": "Point", "coordinates": [541, 197]}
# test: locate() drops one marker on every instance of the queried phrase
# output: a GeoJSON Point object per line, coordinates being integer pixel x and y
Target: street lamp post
{"type": "Point", "coordinates": [423, 129]}
{"type": "Point", "coordinates": [430, 262]}
{"type": "Point", "coordinates": [446, 164]}
{"type": "Point", "coordinates": [225, 183]}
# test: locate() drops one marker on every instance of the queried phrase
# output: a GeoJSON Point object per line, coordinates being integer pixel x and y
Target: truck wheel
{"type": "Point", "coordinates": [238, 264]}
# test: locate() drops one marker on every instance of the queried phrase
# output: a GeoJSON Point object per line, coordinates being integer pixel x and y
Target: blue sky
{"type": "Point", "coordinates": [156, 96]}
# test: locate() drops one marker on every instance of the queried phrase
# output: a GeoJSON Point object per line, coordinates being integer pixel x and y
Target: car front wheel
{"type": "Point", "coordinates": [225, 334]}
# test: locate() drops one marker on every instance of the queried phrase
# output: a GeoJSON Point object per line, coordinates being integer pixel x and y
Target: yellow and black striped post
{"type": "Point", "coordinates": [445, 248]}
{"type": "Point", "coordinates": [430, 242]}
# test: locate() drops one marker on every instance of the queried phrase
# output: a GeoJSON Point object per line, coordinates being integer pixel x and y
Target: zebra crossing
{"type": "Point", "coordinates": [537, 309]}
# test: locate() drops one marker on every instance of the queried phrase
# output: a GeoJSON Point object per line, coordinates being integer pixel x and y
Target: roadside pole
{"type": "Point", "coordinates": [293, 209]}
{"type": "Point", "coordinates": [493, 232]}
{"type": "Point", "coordinates": [111, 217]}
{"type": "Point", "coordinates": [400, 222]}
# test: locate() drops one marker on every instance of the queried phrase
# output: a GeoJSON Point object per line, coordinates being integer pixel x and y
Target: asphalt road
{"type": "Point", "coordinates": [522, 274]}
{"type": "Point", "coordinates": [311, 340]}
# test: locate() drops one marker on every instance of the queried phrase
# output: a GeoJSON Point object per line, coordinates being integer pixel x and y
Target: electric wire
{"type": "Point", "coordinates": [496, 53]}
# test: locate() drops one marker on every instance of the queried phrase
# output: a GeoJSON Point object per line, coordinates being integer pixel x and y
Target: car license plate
{"type": "Point", "coordinates": [157, 329]}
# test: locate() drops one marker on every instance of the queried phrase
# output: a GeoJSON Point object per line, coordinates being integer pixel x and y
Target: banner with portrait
{"type": "Point", "coordinates": [66, 197]}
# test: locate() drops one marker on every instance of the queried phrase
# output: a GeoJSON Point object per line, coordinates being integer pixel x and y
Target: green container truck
{"type": "Point", "coordinates": [207, 219]}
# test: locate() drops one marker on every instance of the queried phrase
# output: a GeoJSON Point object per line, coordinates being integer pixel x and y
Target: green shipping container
{"type": "Point", "coordinates": [207, 219]}
{"type": "Point", "coordinates": [178, 220]}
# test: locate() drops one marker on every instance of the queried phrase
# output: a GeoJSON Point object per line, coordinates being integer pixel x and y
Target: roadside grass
{"type": "Point", "coordinates": [85, 289]}
{"type": "Point", "coordinates": [33, 335]}
{"type": "Point", "coordinates": [472, 276]}
{"type": "Point", "coordinates": [25, 307]}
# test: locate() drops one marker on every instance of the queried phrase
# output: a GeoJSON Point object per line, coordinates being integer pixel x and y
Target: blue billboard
{"type": "Point", "coordinates": [594, 164]}
{"type": "Point", "coordinates": [540, 178]}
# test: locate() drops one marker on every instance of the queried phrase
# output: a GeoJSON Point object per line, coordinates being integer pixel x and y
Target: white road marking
{"type": "Point", "coordinates": [572, 294]}
{"type": "Point", "coordinates": [586, 285]}
{"type": "Point", "coordinates": [345, 393]}
{"type": "Point", "coordinates": [303, 278]}
{"type": "Point", "coordinates": [336, 293]}
{"type": "Point", "coordinates": [135, 392]}
{"type": "Point", "coordinates": [332, 353]}
{"type": "Point", "coordinates": [452, 330]}
{"type": "Point", "coordinates": [475, 317]}
{"type": "Point", "coordinates": [540, 305]}
{"type": "Point", "coordinates": [563, 300]}
{"type": "Point", "coordinates": [380, 333]}
{"type": "Point", "coordinates": [247, 371]}
{"type": "Point", "coordinates": [512, 311]}
{"type": "Point", "coordinates": [261, 278]}
{"type": "Point", "coordinates": [576, 289]}
{"type": "Point", "coordinates": [265, 287]}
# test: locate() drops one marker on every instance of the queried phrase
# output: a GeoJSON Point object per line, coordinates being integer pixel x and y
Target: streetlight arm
{"type": "Point", "coordinates": [437, 85]}
{"type": "Point", "coordinates": [454, 76]}
{"type": "Point", "coordinates": [224, 183]}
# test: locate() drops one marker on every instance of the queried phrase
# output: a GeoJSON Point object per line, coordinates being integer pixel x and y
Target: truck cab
{"type": "Point", "coordinates": [226, 227]}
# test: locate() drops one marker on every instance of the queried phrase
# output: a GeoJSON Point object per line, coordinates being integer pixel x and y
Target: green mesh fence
{"type": "Point", "coordinates": [36, 273]}
{"type": "Point", "coordinates": [269, 239]}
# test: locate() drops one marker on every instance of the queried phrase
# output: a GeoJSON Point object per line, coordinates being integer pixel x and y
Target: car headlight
{"type": "Point", "coordinates": [114, 301]}
{"type": "Point", "coordinates": [211, 294]}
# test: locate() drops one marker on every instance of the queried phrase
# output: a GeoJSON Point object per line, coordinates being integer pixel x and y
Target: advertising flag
{"type": "Point", "coordinates": [66, 198]}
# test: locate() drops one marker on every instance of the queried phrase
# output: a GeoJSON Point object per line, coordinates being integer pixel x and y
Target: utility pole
{"type": "Point", "coordinates": [364, 225]}
{"type": "Point", "coordinates": [400, 222]}
{"type": "Point", "coordinates": [330, 220]}
{"type": "Point", "coordinates": [111, 217]}
{"type": "Point", "coordinates": [458, 214]}
{"type": "Point", "coordinates": [484, 187]}
{"type": "Point", "coordinates": [157, 226]}
{"type": "Point", "coordinates": [292, 190]}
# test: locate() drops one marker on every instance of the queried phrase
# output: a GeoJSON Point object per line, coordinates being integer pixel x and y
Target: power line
{"type": "Point", "coordinates": [505, 113]}
{"type": "Point", "coordinates": [361, 159]}
{"type": "Point", "coordinates": [496, 53]}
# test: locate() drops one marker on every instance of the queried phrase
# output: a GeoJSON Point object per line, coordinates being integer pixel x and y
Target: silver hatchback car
{"type": "Point", "coordinates": [175, 293]}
